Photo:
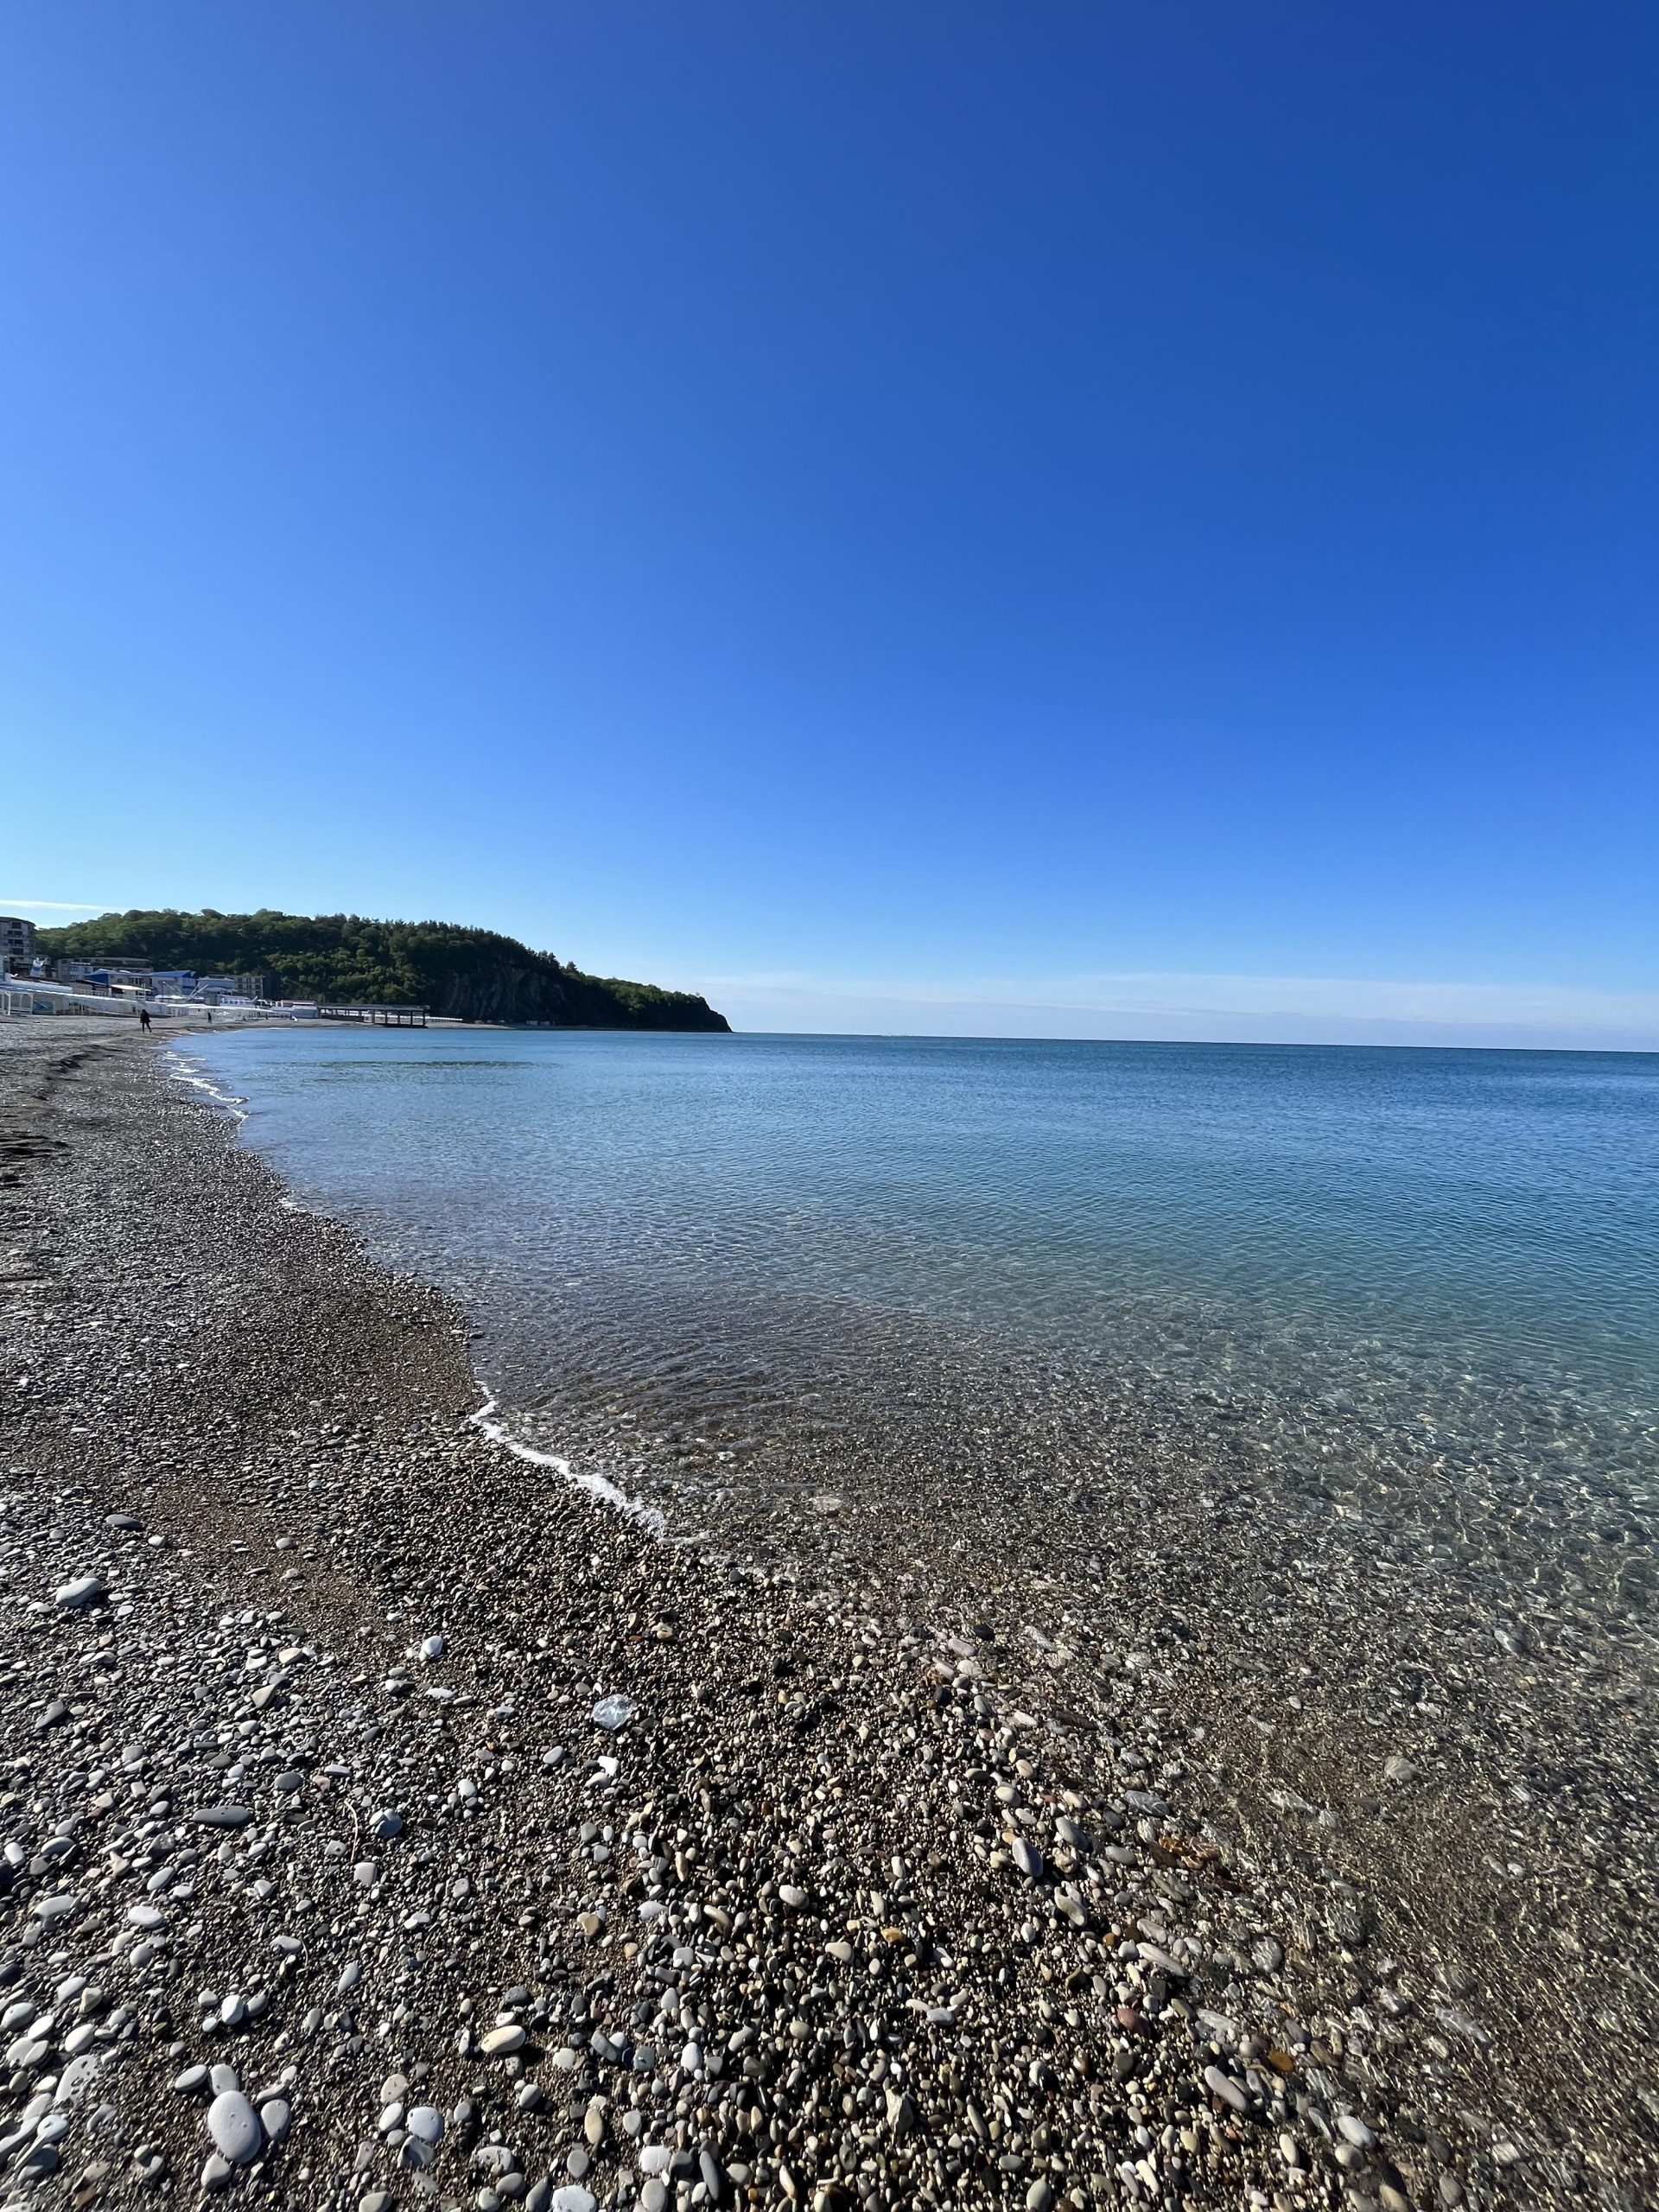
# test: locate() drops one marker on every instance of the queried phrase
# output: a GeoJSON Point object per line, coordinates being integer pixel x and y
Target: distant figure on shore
{"type": "Point", "coordinates": [143, 1018]}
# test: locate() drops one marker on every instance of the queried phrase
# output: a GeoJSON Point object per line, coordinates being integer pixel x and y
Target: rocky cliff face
{"type": "Point", "coordinates": [512, 992]}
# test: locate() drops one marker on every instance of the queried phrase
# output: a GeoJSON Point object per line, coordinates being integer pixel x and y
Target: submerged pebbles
{"type": "Point", "coordinates": [415, 1830]}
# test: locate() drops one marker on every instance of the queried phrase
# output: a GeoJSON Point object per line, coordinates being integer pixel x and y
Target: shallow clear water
{"type": "Point", "coordinates": [1462, 1247]}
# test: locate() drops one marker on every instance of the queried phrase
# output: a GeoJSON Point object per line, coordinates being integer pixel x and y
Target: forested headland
{"type": "Point", "coordinates": [469, 974]}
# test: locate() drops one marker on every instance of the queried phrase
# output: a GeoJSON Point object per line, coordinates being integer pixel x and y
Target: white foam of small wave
{"type": "Point", "coordinates": [189, 1071]}
{"type": "Point", "coordinates": [633, 1508]}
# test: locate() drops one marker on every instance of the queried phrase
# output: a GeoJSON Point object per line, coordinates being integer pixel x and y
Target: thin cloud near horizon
{"type": "Point", "coordinates": [1205, 1007]}
{"type": "Point", "coordinates": [59, 905]}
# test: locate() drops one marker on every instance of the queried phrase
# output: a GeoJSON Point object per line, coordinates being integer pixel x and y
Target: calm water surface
{"type": "Point", "coordinates": [1464, 1246]}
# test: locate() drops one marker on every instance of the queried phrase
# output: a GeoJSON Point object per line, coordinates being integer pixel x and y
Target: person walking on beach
{"type": "Point", "coordinates": [144, 1020]}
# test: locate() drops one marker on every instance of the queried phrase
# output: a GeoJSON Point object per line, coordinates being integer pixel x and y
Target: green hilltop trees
{"type": "Point", "coordinates": [471, 974]}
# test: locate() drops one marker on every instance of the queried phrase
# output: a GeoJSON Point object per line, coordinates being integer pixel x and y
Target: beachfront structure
{"type": "Point", "coordinates": [386, 1017]}
{"type": "Point", "coordinates": [129, 974]}
{"type": "Point", "coordinates": [16, 941]}
{"type": "Point", "coordinates": [23, 997]}
{"type": "Point", "coordinates": [231, 990]}
{"type": "Point", "coordinates": [167, 983]}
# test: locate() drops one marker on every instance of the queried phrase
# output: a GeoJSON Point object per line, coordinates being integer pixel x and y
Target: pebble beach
{"type": "Point", "coordinates": [388, 1821]}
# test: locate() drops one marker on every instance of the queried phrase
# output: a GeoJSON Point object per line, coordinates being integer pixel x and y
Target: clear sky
{"type": "Point", "coordinates": [1095, 519]}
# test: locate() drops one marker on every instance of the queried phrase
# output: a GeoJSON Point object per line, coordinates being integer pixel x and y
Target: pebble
{"type": "Point", "coordinates": [1230, 2092]}
{"type": "Point", "coordinates": [77, 2077]}
{"type": "Point", "coordinates": [234, 2127]}
{"type": "Point", "coordinates": [85, 1590]}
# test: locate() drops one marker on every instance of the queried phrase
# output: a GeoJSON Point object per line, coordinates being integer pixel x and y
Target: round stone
{"type": "Point", "coordinates": [234, 2127]}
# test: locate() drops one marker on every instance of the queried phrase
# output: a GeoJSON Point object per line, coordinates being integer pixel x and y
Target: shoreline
{"type": "Point", "coordinates": [989, 2036]}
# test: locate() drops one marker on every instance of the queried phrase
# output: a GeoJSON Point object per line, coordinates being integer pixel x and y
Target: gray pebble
{"type": "Point", "coordinates": [234, 2127]}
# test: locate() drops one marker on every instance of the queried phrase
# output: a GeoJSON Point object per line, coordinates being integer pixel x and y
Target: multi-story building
{"type": "Point", "coordinates": [257, 986]}
{"type": "Point", "coordinates": [16, 941]}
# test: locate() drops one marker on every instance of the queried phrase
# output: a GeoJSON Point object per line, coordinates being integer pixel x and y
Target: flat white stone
{"type": "Point", "coordinates": [77, 2077]}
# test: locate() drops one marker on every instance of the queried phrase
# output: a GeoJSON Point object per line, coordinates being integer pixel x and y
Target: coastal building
{"type": "Point", "coordinates": [16, 941]}
{"type": "Point", "coordinates": [226, 988]}
{"type": "Point", "coordinates": [76, 970]}
{"type": "Point", "coordinates": [165, 982]}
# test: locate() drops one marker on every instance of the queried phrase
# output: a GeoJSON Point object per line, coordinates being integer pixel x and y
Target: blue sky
{"type": "Point", "coordinates": [1095, 519]}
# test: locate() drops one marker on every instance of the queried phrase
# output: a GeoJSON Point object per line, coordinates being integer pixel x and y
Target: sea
{"type": "Point", "coordinates": [691, 1262]}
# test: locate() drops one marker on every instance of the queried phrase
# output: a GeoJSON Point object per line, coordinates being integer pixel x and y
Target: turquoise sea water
{"type": "Point", "coordinates": [1462, 1248]}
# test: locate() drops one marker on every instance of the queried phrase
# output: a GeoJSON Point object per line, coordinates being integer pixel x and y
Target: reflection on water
{"type": "Point", "coordinates": [1448, 1258]}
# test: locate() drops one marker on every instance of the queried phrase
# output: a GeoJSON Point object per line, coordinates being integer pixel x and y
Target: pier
{"type": "Point", "coordinates": [387, 1017]}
